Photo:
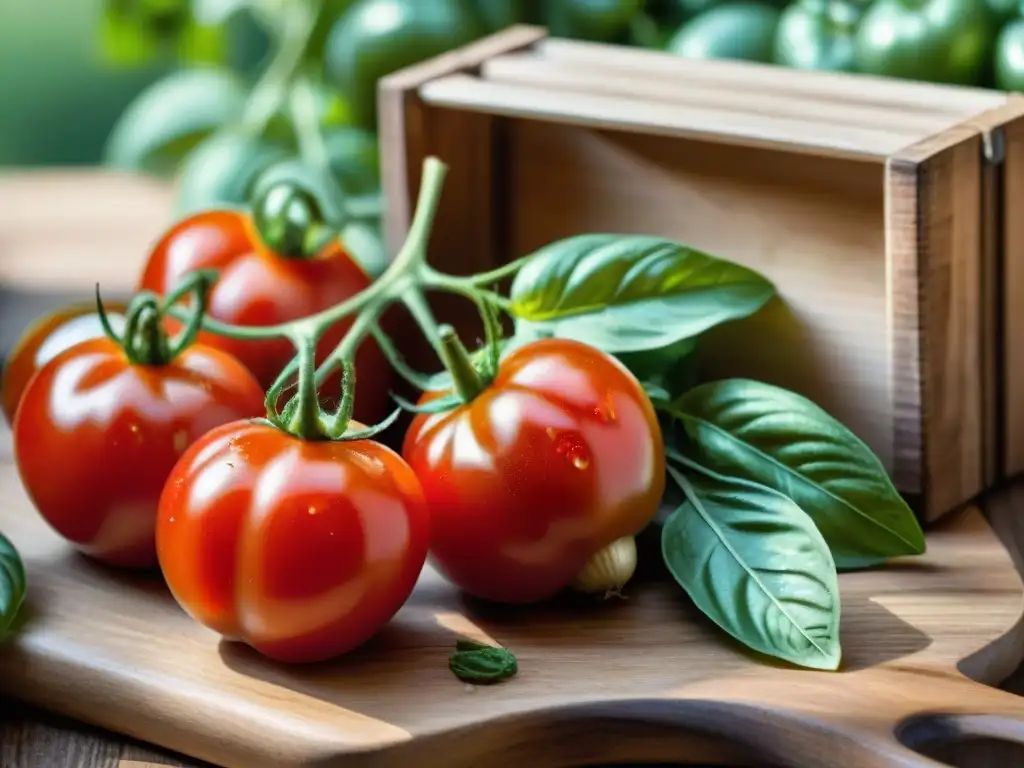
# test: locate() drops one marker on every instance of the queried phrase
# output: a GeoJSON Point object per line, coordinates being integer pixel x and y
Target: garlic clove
{"type": "Point", "coordinates": [608, 569]}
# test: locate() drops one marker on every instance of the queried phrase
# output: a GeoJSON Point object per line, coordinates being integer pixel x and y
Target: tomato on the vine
{"type": "Point", "coordinates": [258, 287]}
{"type": "Point", "coordinates": [96, 436]}
{"type": "Point", "coordinates": [43, 340]}
{"type": "Point", "coordinates": [557, 458]}
{"type": "Point", "coordinates": [302, 549]}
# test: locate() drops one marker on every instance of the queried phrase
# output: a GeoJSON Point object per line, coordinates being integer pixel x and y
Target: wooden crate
{"type": "Point", "coordinates": [876, 206]}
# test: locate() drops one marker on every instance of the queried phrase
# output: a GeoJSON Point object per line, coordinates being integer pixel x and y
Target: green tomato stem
{"type": "Point", "coordinates": [465, 380]}
{"type": "Point", "coordinates": [304, 114]}
{"type": "Point", "coordinates": [303, 418]}
{"type": "Point", "coordinates": [148, 343]}
{"type": "Point", "coordinates": [480, 279]}
{"type": "Point", "coordinates": [298, 20]}
{"type": "Point", "coordinates": [405, 281]}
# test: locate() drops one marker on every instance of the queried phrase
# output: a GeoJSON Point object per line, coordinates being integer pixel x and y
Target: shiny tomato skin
{"type": "Point", "coordinates": [300, 549]}
{"type": "Point", "coordinates": [258, 287]}
{"type": "Point", "coordinates": [561, 455]}
{"type": "Point", "coordinates": [95, 438]}
{"type": "Point", "coordinates": [43, 339]}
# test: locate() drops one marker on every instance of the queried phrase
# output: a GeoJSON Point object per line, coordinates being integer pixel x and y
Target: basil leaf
{"type": "Point", "coordinates": [13, 584]}
{"type": "Point", "coordinates": [475, 662]}
{"type": "Point", "coordinates": [751, 560]}
{"type": "Point", "coordinates": [626, 293]}
{"type": "Point", "coordinates": [172, 116]}
{"type": "Point", "coordinates": [466, 644]}
{"type": "Point", "coordinates": [779, 439]}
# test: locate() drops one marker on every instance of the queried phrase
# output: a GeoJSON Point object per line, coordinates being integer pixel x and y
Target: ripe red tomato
{"type": "Point", "coordinates": [258, 287]}
{"type": "Point", "coordinates": [95, 438]}
{"type": "Point", "coordinates": [301, 549]}
{"type": "Point", "coordinates": [560, 456]}
{"type": "Point", "coordinates": [45, 339]}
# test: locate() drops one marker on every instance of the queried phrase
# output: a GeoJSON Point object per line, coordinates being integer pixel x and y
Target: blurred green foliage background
{"type": "Point", "coordinates": [60, 96]}
{"type": "Point", "coordinates": [60, 93]}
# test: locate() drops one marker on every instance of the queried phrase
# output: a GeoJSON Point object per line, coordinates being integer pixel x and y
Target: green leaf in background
{"type": "Point", "coordinates": [135, 32]}
{"type": "Point", "coordinates": [220, 171]}
{"type": "Point", "coordinates": [751, 560]}
{"type": "Point", "coordinates": [776, 438]}
{"type": "Point", "coordinates": [734, 30]}
{"type": "Point", "coordinates": [171, 116]}
{"type": "Point", "coordinates": [627, 293]}
{"type": "Point", "coordinates": [13, 584]}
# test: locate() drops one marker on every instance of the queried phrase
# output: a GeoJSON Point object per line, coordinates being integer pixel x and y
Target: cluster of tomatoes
{"type": "Point", "coordinates": [304, 548]}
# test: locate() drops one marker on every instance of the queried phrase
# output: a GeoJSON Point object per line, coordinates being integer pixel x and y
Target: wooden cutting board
{"type": "Point", "coordinates": [642, 679]}
{"type": "Point", "coordinates": [645, 678]}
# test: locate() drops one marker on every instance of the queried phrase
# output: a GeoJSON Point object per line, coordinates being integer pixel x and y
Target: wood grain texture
{"type": "Point", "coordinates": [33, 738]}
{"type": "Point", "coordinates": [65, 230]}
{"type": "Point", "coordinates": [1012, 283]}
{"type": "Point", "coordinates": [642, 679]}
{"type": "Point", "coordinates": [936, 264]}
{"type": "Point", "coordinates": [746, 79]}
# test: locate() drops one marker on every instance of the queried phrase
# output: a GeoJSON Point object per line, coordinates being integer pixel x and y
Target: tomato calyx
{"type": "Point", "coordinates": [303, 416]}
{"type": "Point", "coordinates": [291, 221]}
{"type": "Point", "coordinates": [145, 340]}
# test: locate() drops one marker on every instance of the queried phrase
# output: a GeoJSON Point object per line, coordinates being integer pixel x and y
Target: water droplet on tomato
{"type": "Point", "coordinates": [569, 443]}
{"type": "Point", "coordinates": [605, 412]}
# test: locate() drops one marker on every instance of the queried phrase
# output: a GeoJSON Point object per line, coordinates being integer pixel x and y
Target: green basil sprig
{"type": "Point", "coordinates": [626, 293]}
{"type": "Point", "coordinates": [756, 565]}
{"type": "Point", "coordinates": [776, 438]}
{"type": "Point", "coordinates": [475, 662]}
{"type": "Point", "coordinates": [13, 584]}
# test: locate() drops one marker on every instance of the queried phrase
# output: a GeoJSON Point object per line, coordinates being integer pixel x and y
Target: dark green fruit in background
{"type": "Point", "coordinates": [354, 159]}
{"type": "Point", "coordinates": [377, 37]}
{"type": "Point", "coordinates": [219, 171]}
{"type": "Point", "coordinates": [330, 12]}
{"type": "Point", "coordinates": [736, 30]}
{"type": "Point", "coordinates": [499, 14]}
{"type": "Point", "coordinates": [675, 12]}
{"type": "Point", "coordinates": [818, 34]}
{"type": "Point", "coordinates": [596, 20]}
{"type": "Point", "coordinates": [943, 41]}
{"type": "Point", "coordinates": [1004, 10]}
{"type": "Point", "coordinates": [1009, 57]}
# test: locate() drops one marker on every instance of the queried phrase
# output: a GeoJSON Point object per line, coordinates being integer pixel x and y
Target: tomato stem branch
{"type": "Point", "coordinates": [466, 380]}
{"type": "Point", "coordinates": [270, 92]}
{"type": "Point", "coordinates": [303, 420]}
